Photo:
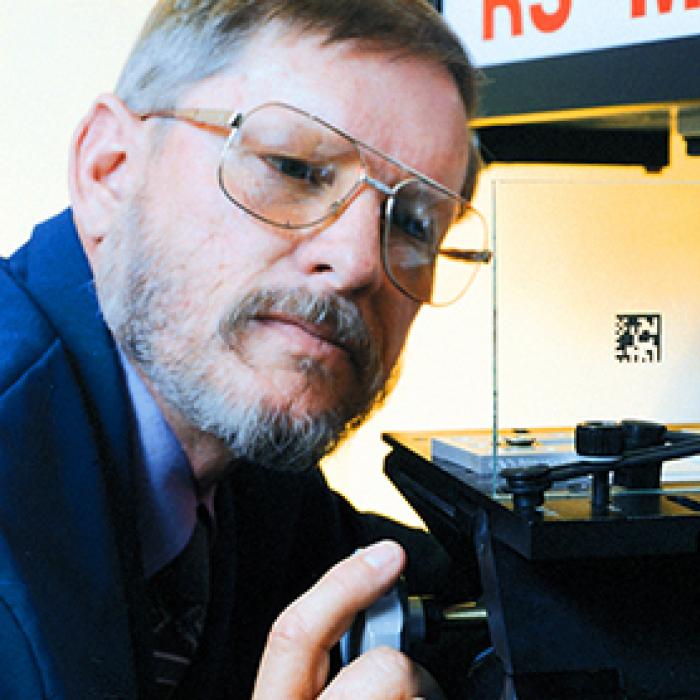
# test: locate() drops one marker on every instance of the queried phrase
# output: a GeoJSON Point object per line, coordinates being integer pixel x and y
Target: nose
{"type": "Point", "coordinates": [344, 255]}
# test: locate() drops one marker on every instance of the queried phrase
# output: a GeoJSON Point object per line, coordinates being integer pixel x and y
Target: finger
{"type": "Point", "coordinates": [295, 661]}
{"type": "Point", "coordinates": [379, 674]}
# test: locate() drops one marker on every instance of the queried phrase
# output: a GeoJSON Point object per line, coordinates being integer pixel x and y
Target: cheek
{"type": "Point", "coordinates": [226, 260]}
{"type": "Point", "coordinates": [213, 252]}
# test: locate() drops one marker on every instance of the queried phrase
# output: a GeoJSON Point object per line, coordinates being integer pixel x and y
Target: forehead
{"type": "Point", "coordinates": [406, 106]}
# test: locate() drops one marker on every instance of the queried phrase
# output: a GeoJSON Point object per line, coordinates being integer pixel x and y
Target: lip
{"type": "Point", "coordinates": [322, 333]}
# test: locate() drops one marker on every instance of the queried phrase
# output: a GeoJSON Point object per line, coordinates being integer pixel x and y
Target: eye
{"type": "Point", "coordinates": [315, 175]}
{"type": "Point", "coordinates": [420, 229]}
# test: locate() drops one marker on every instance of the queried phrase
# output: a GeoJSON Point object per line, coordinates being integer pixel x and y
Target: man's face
{"type": "Point", "coordinates": [236, 322]}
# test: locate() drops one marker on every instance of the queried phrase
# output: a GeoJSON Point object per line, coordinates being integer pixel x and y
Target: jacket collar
{"type": "Point", "coordinates": [59, 278]}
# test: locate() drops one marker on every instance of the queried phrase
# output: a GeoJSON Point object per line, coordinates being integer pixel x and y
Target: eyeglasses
{"type": "Point", "coordinates": [295, 171]}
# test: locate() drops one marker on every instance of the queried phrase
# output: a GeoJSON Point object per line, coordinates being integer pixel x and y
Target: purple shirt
{"type": "Point", "coordinates": [167, 490]}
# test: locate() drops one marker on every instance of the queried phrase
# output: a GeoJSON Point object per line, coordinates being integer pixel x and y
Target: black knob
{"type": "Point", "coordinates": [599, 439]}
{"type": "Point", "coordinates": [528, 486]}
{"type": "Point", "coordinates": [642, 433]}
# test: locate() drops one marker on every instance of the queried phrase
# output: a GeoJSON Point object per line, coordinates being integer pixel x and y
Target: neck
{"type": "Point", "coordinates": [208, 455]}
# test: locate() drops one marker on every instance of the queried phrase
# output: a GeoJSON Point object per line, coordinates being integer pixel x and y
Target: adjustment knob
{"type": "Point", "coordinates": [599, 439]}
{"type": "Point", "coordinates": [527, 485]}
{"type": "Point", "coordinates": [642, 433]}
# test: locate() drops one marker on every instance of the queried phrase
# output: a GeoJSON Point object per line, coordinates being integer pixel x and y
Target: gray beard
{"type": "Point", "coordinates": [137, 299]}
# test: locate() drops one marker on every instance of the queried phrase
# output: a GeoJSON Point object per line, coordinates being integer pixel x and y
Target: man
{"type": "Point", "coordinates": [258, 210]}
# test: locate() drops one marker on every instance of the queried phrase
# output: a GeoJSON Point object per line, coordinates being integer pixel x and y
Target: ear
{"type": "Point", "coordinates": [105, 152]}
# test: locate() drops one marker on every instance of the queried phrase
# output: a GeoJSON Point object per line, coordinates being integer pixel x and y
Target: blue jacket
{"type": "Point", "coordinates": [72, 599]}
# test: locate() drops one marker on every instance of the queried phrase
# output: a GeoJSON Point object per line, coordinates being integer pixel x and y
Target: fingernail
{"type": "Point", "coordinates": [382, 554]}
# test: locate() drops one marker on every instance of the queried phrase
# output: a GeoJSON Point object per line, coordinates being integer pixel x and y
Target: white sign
{"type": "Point", "coordinates": [506, 31]}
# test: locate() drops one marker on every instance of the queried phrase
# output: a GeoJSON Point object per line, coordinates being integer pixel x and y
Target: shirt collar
{"type": "Point", "coordinates": [167, 495]}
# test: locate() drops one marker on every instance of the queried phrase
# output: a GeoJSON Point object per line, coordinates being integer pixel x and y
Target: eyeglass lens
{"type": "Point", "coordinates": [425, 243]}
{"type": "Point", "coordinates": [287, 169]}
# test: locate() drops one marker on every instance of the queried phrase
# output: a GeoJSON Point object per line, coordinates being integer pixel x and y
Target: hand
{"type": "Point", "coordinates": [295, 662]}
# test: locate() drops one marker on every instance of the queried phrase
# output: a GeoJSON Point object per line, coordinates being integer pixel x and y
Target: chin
{"type": "Point", "coordinates": [302, 400]}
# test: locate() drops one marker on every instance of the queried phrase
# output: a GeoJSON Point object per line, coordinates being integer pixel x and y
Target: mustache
{"type": "Point", "coordinates": [339, 320]}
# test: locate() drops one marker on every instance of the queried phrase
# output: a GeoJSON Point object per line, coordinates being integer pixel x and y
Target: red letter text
{"type": "Point", "coordinates": [516, 16]}
{"type": "Point", "coordinates": [550, 22]}
{"type": "Point", "coordinates": [639, 7]}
